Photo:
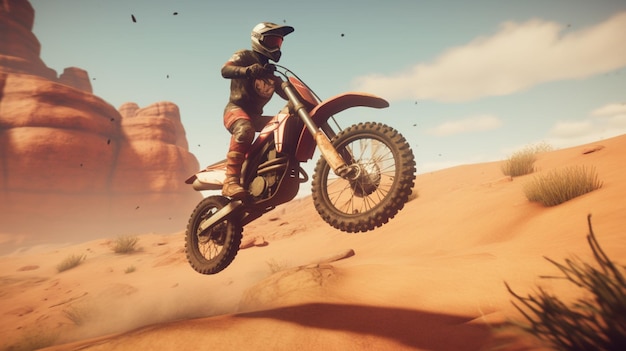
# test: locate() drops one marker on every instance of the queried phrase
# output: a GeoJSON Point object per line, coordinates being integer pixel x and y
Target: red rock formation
{"type": "Point", "coordinates": [76, 78]}
{"type": "Point", "coordinates": [71, 165]}
{"type": "Point", "coordinates": [19, 48]}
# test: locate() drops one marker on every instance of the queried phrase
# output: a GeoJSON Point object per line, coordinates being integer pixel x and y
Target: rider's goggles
{"type": "Point", "coordinates": [272, 41]}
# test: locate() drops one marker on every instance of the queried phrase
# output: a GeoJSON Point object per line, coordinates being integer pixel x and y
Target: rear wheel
{"type": "Point", "coordinates": [211, 252]}
{"type": "Point", "coordinates": [382, 179]}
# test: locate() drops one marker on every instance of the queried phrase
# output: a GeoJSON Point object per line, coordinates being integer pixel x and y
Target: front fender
{"type": "Point", "coordinates": [327, 108]}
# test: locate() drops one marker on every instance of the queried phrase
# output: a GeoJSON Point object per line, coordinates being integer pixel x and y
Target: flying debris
{"type": "Point", "coordinates": [133, 18]}
{"type": "Point", "coordinates": [175, 13]}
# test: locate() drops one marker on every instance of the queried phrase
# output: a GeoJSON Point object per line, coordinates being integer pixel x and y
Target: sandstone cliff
{"type": "Point", "coordinates": [71, 165]}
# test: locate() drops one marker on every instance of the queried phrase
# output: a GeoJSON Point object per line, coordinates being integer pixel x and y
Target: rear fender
{"type": "Point", "coordinates": [327, 108]}
{"type": "Point", "coordinates": [210, 178]}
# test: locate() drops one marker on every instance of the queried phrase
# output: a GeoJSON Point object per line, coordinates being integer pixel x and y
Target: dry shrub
{"type": "Point", "coordinates": [276, 266]}
{"type": "Point", "coordinates": [70, 262]}
{"type": "Point", "coordinates": [125, 244]}
{"type": "Point", "coordinates": [130, 269]}
{"type": "Point", "coordinates": [559, 186]}
{"type": "Point", "coordinates": [34, 339]}
{"type": "Point", "coordinates": [592, 323]}
{"type": "Point", "coordinates": [78, 314]}
{"type": "Point", "coordinates": [523, 162]}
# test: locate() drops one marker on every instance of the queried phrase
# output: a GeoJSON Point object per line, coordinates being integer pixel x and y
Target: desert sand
{"type": "Point", "coordinates": [431, 279]}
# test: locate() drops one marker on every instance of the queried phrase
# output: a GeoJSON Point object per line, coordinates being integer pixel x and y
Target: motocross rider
{"type": "Point", "coordinates": [251, 87]}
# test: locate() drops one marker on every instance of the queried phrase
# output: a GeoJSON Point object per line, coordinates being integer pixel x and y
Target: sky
{"type": "Point", "coordinates": [467, 82]}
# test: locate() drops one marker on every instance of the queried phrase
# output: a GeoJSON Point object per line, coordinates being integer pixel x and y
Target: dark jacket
{"type": "Point", "coordinates": [248, 93]}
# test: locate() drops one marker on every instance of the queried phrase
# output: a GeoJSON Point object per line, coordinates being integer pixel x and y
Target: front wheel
{"type": "Point", "coordinates": [382, 179]}
{"type": "Point", "coordinates": [211, 252]}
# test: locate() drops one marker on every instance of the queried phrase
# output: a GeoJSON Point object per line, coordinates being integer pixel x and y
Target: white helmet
{"type": "Point", "coordinates": [267, 38]}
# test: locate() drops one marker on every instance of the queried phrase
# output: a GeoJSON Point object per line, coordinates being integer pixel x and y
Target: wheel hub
{"type": "Point", "coordinates": [367, 180]}
{"type": "Point", "coordinates": [217, 235]}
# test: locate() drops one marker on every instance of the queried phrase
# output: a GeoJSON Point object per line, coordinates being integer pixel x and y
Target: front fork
{"type": "Point", "coordinates": [330, 154]}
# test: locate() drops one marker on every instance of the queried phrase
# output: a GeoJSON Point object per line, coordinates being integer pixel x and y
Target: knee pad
{"type": "Point", "coordinates": [243, 132]}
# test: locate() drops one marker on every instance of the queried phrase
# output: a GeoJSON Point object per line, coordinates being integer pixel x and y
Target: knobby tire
{"type": "Point", "coordinates": [220, 245]}
{"type": "Point", "coordinates": [369, 202]}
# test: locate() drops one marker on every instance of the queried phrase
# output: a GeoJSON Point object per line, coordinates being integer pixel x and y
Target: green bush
{"type": "Point", "coordinates": [125, 244]}
{"type": "Point", "coordinates": [559, 186]}
{"type": "Point", "coordinates": [70, 262]}
{"type": "Point", "coordinates": [523, 162]}
{"type": "Point", "coordinates": [594, 322]}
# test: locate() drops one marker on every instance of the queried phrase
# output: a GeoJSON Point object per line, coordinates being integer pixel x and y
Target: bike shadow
{"type": "Point", "coordinates": [418, 329]}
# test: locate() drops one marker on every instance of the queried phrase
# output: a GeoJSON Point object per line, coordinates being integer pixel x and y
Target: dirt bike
{"type": "Point", "coordinates": [364, 177]}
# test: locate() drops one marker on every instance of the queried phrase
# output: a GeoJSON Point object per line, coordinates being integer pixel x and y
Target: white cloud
{"type": "Point", "coordinates": [466, 125]}
{"type": "Point", "coordinates": [431, 166]}
{"type": "Point", "coordinates": [610, 110]}
{"type": "Point", "coordinates": [571, 129]}
{"type": "Point", "coordinates": [570, 133]}
{"type": "Point", "coordinates": [618, 122]}
{"type": "Point", "coordinates": [517, 57]}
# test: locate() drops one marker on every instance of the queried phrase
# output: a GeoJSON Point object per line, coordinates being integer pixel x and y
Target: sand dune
{"type": "Point", "coordinates": [430, 279]}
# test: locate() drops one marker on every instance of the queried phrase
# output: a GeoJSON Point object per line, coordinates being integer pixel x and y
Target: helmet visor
{"type": "Point", "coordinates": [272, 41]}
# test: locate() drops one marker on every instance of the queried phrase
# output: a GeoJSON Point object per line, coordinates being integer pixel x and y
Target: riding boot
{"type": "Point", "coordinates": [232, 186]}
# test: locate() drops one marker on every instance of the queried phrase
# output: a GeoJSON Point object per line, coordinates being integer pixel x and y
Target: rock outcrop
{"type": "Point", "coordinates": [76, 78]}
{"type": "Point", "coordinates": [71, 165]}
{"type": "Point", "coordinates": [19, 48]}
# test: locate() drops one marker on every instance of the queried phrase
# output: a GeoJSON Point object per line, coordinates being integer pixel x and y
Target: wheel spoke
{"type": "Point", "coordinates": [376, 159]}
{"type": "Point", "coordinates": [209, 249]}
{"type": "Point", "coordinates": [206, 245]}
{"type": "Point", "coordinates": [343, 193]}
